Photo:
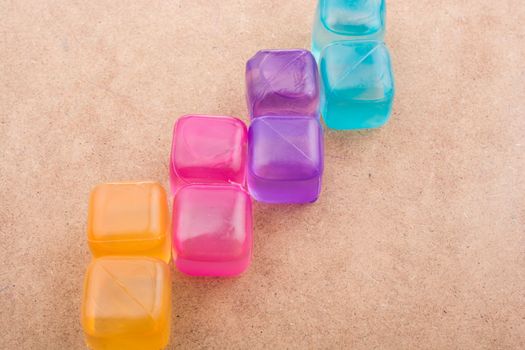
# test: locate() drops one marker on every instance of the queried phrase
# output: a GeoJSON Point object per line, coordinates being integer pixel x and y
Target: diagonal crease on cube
{"type": "Point", "coordinates": [127, 292]}
{"type": "Point", "coordinates": [294, 146]}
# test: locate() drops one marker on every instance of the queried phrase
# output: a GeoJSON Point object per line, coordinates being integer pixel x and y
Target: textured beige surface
{"type": "Point", "coordinates": [417, 242]}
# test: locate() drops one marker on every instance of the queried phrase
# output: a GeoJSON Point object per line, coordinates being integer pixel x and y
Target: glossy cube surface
{"type": "Point", "coordinates": [129, 219]}
{"type": "Point", "coordinates": [282, 82]}
{"type": "Point", "coordinates": [337, 20]}
{"type": "Point", "coordinates": [285, 159]}
{"type": "Point", "coordinates": [212, 230]}
{"type": "Point", "coordinates": [208, 149]}
{"type": "Point", "coordinates": [127, 304]}
{"type": "Point", "coordinates": [358, 84]}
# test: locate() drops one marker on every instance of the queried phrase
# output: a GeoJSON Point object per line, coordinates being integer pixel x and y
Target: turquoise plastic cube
{"type": "Point", "coordinates": [358, 84]}
{"type": "Point", "coordinates": [337, 20]}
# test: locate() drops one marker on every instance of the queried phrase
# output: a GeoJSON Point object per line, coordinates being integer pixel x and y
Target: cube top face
{"type": "Point", "coordinates": [121, 214]}
{"type": "Point", "coordinates": [212, 230]}
{"type": "Point", "coordinates": [283, 148]}
{"type": "Point", "coordinates": [126, 298]}
{"type": "Point", "coordinates": [282, 82]}
{"type": "Point", "coordinates": [357, 71]}
{"type": "Point", "coordinates": [208, 149]}
{"type": "Point", "coordinates": [353, 17]}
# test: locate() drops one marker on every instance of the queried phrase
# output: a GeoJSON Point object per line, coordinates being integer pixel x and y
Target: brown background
{"type": "Point", "coordinates": [417, 241]}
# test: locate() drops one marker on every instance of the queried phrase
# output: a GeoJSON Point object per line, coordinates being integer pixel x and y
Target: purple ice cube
{"type": "Point", "coordinates": [285, 159]}
{"type": "Point", "coordinates": [282, 82]}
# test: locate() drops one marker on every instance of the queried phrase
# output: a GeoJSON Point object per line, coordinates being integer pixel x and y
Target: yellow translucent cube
{"type": "Point", "coordinates": [129, 219]}
{"type": "Point", "coordinates": [127, 304]}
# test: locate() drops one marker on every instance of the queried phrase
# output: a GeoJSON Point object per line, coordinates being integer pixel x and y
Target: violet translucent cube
{"type": "Point", "coordinates": [285, 159]}
{"type": "Point", "coordinates": [282, 82]}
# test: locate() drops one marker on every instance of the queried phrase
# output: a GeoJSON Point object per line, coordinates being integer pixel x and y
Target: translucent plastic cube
{"type": "Point", "coordinates": [285, 159]}
{"type": "Point", "coordinates": [129, 219]}
{"type": "Point", "coordinates": [212, 230]}
{"type": "Point", "coordinates": [207, 149]}
{"type": "Point", "coordinates": [127, 304]}
{"type": "Point", "coordinates": [282, 82]}
{"type": "Point", "coordinates": [358, 84]}
{"type": "Point", "coordinates": [337, 20]}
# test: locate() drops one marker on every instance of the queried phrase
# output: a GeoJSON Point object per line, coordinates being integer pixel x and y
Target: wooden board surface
{"type": "Point", "coordinates": [417, 241]}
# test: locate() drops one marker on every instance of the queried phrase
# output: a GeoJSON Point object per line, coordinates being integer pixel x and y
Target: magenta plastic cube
{"type": "Point", "coordinates": [282, 82]}
{"type": "Point", "coordinates": [212, 230]}
{"type": "Point", "coordinates": [208, 149]}
{"type": "Point", "coordinates": [285, 159]}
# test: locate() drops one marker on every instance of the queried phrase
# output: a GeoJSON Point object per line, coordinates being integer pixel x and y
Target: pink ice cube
{"type": "Point", "coordinates": [207, 149]}
{"type": "Point", "coordinates": [212, 230]}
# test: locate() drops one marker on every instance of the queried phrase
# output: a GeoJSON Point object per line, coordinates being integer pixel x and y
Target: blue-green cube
{"type": "Point", "coordinates": [358, 84]}
{"type": "Point", "coordinates": [337, 20]}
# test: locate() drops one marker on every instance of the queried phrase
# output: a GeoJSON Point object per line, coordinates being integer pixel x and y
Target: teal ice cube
{"type": "Point", "coordinates": [337, 20]}
{"type": "Point", "coordinates": [358, 84]}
